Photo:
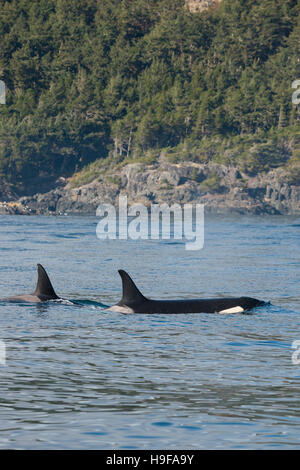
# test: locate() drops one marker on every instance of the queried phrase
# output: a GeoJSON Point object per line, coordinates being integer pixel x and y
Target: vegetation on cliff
{"type": "Point", "coordinates": [127, 79]}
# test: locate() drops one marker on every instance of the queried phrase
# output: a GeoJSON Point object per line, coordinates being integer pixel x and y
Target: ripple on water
{"type": "Point", "coordinates": [79, 377]}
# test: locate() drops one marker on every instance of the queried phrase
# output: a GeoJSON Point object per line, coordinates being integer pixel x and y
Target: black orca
{"type": "Point", "coordinates": [43, 292]}
{"type": "Point", "coordinates": [133, 301]}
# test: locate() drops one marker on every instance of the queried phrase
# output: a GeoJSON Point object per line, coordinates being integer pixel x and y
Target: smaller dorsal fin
{"type": "Point", "coordinates": [44, 287]}
{"type": "Point", "coordinates": [131, 293]}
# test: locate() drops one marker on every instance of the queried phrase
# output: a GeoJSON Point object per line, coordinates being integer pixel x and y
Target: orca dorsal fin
{"type": "Point", "coordinates": [44, 287]}
{"type": "Point", "coordinates": [131, 293]}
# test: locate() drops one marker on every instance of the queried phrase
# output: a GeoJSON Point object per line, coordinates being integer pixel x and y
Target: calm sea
{"type": "Point", "coordinates": [79, 377]}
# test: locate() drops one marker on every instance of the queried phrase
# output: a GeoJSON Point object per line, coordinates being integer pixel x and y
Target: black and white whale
{"type": "Point", "coordinates": [133, 301]}
{"type": "Point", "coordinates": [43, 292]}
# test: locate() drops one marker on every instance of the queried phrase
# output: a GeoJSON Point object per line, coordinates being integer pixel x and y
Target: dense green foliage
{"type": "Point", "coordinates": [88, 79]}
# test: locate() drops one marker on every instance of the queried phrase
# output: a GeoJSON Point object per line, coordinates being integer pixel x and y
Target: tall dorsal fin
{"type": "Point", "coordinates": [131, 294]}
{"type": "Point", "coordinates": [44, 287]}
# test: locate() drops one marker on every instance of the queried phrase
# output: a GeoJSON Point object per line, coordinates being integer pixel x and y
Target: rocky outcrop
{"type": "Point", "coordinates": [222, 189]}
{"type": "Point", "coordinates": [13, 208]}
{"type": "Point", "coordinates": [196, 6]}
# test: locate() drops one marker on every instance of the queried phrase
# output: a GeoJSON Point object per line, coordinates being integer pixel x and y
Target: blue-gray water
{"type": "Point", "coordinates": [79, 377]}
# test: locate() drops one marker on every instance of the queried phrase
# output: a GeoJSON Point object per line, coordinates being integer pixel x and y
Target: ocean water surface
{"type": "Point", "coordinates": [80, 377]}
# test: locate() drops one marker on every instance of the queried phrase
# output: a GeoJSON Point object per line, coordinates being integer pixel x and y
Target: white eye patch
{"type": "Point", "coordinates": [233, 310]}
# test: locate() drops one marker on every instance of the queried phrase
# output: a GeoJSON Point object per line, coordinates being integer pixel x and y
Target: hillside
{"type": "Point", "coordinates": [127, 81]}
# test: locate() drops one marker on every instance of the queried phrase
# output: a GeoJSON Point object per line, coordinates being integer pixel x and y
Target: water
{"type": "Point", "coordinates": [79, 377]}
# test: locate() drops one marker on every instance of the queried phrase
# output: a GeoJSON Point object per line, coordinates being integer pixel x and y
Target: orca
{"type": "Point", "coordinates": [133, 301]}
{"type": "Point", "coordinates": [43, 292]}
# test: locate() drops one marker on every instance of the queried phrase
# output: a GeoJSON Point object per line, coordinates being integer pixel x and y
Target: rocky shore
{"type": "Point", "coordinates": [222, 189]}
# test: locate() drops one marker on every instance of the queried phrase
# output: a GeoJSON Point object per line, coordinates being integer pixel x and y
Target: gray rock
{"type": "Point", "coordinates": [227, 190]}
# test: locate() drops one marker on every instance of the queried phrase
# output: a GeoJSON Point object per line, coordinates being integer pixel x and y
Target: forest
{"type": "Point", "coordinates": [126, 80]}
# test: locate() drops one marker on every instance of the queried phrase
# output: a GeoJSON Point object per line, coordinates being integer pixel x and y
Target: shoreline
{"type": "Point", "coordinates": [222, 189]}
